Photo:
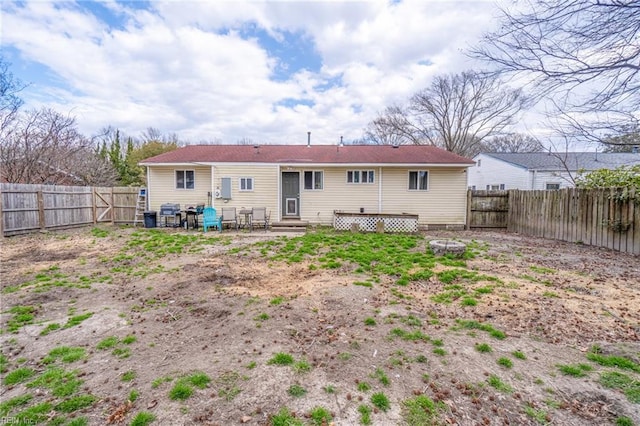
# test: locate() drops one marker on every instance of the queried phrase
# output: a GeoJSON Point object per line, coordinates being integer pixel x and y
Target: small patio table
{"type": "Point", "coordinates": [247, 217]}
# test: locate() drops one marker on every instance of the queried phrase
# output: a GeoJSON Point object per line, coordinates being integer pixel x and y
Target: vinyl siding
{"type": "Point", "coordinates": [444, 203]}
{"type": "Point", "coordinates": [265, 187]}
{"type": "Point", "coordinates": [317, 206]}
{"type": "Point", "coordinates": [497, 172]}
{"type": "Point", "coordinates": [541, 179]}
{"type": "Point", "coordinates": [162, 187]}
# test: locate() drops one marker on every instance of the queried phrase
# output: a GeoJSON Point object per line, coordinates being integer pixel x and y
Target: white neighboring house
{"type": "Point", "coordinates": [540, 170]}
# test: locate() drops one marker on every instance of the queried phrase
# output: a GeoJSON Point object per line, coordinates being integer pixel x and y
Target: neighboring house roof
{"type": "Point", "coordinates": [310, 154]}
{"type": "Point", "coordinates": [561, 161]}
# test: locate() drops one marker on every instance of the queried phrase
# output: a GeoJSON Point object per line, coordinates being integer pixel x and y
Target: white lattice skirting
{"type": "Point", "coordinates": [369, 222]}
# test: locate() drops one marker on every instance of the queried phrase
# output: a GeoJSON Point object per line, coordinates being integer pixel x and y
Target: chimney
{"type": "Point", "coordinates": [308, 139]}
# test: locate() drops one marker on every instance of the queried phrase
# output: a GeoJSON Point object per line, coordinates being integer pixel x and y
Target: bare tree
{"type": "Point", "coordinates": [44, 146]}
{"type": "Point", "coordinates": [456, 112]}
{"type": "Point", "coordinates": [585, 54]}
{"type": "Point", "coordinates": [10, 102]}
{"type": "Point", "coordinates": [393, 127]}
{"type": "Point", "coordinates": [513, 142]}
{"type": "Point", "coordinates": [626, 141]}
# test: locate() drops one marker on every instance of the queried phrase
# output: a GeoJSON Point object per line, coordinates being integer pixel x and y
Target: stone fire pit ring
{"type": "Point", "coordinates": [442, 247]}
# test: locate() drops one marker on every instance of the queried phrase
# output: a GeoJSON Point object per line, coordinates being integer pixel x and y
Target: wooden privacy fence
{"type": "Point", "coordinates": [27, 208]}
{"type": "Point", "coordinates": [598, 217]}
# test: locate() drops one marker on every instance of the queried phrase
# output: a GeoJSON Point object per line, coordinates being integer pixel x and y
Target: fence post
{"type": "Point", "coordinates": [469, 199]}
{"type": "Point", "coordinates": [94, 206]}
{"type": "Point", "coordinates": [41, 218]}
{"type": "Point", "coordinates": [113, 207]}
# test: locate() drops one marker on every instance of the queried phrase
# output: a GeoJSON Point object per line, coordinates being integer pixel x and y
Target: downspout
{"type": "Point", "coordinates": [279, 200]}
{"type": "Point", "coordinates": [379, 189]}
{"type": "Point", "coordinates": [212, 187]}
{"type": "Point", "coordinates": [148, 192]}
{"type": "Point", "coordinates": [533, 179]}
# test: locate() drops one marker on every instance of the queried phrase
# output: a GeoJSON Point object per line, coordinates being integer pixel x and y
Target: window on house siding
{"type": "Point", "coordinates": [553, 186]}
{"type": "Point", "coordinates": [360, 176]}
{"type": "Point", "coordinates": [479, 163]}
{"type": "Point", "coordinates": [246, 184]}
{"type": "Point", "coordinates": [313, 180]}
{"type": "Point", "coordinates": [419, 180]}
{"type": "Point", "coordinates": [185, 179]}
{"type": "Point", "coordinates": [495, 187]}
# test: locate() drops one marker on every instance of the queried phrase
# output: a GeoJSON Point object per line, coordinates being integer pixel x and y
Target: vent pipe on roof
{"type": "Point", "coordinates": [341, 143]}
{"type": "Point", "coordinates": [308, 139]}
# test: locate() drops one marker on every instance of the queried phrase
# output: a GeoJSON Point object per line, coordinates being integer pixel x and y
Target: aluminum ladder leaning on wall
{"type": "Point", "coordinates": [141, 206]}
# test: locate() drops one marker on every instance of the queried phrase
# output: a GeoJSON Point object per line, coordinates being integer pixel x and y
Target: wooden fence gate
{"type": "Point", "coordinates": [487, 209]}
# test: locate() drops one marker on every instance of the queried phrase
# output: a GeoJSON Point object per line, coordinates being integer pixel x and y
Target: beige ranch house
{"type": "Point", "coordinates": [312, 182]}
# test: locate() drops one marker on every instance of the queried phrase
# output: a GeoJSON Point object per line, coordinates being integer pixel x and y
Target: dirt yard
{"type": "Point", "coordinates": [173, 328]}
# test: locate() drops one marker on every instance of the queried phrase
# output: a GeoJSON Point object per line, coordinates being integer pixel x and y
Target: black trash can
{"type": "Point", "coordinates": [150, 219]}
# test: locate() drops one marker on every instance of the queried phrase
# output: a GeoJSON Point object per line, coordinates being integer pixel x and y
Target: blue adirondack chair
{"type": "Point", "coordinates": [211, 219]}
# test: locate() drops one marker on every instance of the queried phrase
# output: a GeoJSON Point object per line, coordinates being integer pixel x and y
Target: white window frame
{"type": "Point", "coordinates": [184, 180]}
{"type": "Point", "coordinates": [314, 174]}
{"type": "Point", "coordinates": [495, 187]}
{"type": "Point", "coordinates": [370, 177]}
{"type": "Point", "coordinates": [417, 188]}
{"type": "Point", "coordinates": [242, 184]}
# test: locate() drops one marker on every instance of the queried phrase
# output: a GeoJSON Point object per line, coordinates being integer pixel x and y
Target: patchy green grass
{"type": "Point", "coordinates": [519, 354]}
{"type": "Point", "coordinates": [475, 325]}
{"type": "Point", "coordinates": [381, 376]}
{"type": "Point", "coordinates": [296, 391]}
{"type": "Point", "coordinates": [76, 320]}
{"type": "Point", "coordinates": [10, 405]}
{"type": "Point", "coordinates": [60, 382]}
{"type": "Point", "coordinates": [369, 321]}
{"type": "Point", "coordinates": [128, 376]}
{"type": "Point", "coordinates": [612, 360]}
{"type": "Point", "coordinates": [505, 362]}
{"type": "Point", "coordinates": [49, 328]}
{"type": "Point", "coordinates": [19, 375]}
{"type": "Point", "coordinates": [21, 316]}
{"type": "Point", "coordinates": [616, 380]}
{"type": "Point", "coordinates": [497, 383]}
{"type": "Point", "coordinates": [576, 370]}
{"type": "Point", "coordinates": [284, 417]}
{"type": "Point", "coordinates": [65, 354]}
{"type": "Point", "coordinates": [363, 386]}
{"type": "Point", "coordinates": [108, 343]}
{"type": "Point", "coordinates": [539, 415]}
{"type": "Point", "coordinates": [143, 418]}
{"type": "Point", "coordinates": [483, 348]}
{"type": "Point", "coordinates": [409, 335]}
{"type": "Point", "coordinates": [365, 414]}
{"type": "Point", "coordinates": [320, 416]}
{"type": "Point", "coordinates": [281, 358]}
{"type": "Point", "coordinates": [180, 391]}
{"type": "Point", "coordinates": [75, 403]}
{"type": "Point", "coordinates": [421, 410]}
{"type": "Point", "coordinates": [380, 401]}
{"type": "Point", "coordinates": [227, 385]}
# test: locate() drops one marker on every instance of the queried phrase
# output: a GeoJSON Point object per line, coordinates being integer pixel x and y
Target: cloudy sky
{"type": "Point", "coordinates": [227, 70]}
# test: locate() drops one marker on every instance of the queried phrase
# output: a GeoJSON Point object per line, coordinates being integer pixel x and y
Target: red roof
{"type": "Point", "coordinates": [313, 154]}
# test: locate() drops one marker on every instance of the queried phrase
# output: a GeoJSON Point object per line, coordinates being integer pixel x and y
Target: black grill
{"type": "Point", "coordinates": [169, 209]}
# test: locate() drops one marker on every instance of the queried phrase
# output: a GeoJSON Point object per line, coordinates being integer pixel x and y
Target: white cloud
{"type": "Point", "coordinates": [186, 68]}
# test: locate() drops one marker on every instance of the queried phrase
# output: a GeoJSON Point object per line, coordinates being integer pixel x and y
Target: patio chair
{"type": "Point", "coordinates": [229, 217]}
{"type": "Point", "coordinates": [259, 217]}
{"type": "Point", "coordinates": [211, 220]}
